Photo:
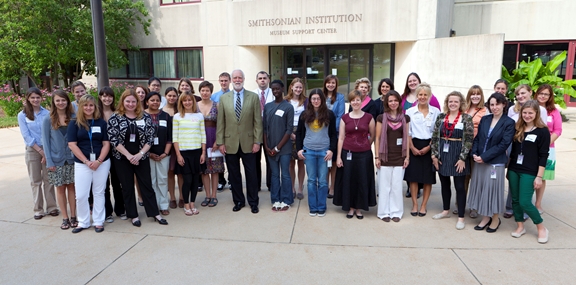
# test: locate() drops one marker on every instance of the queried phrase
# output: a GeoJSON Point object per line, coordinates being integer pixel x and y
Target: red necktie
{"type": "Point", "coordinates": [262, 100]}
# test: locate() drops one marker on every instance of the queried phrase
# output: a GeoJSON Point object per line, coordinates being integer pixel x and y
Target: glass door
{"type": "Point", "coordinates": [349, 65]}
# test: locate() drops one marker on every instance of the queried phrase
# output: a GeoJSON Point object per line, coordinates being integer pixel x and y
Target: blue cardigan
{"type": "Point", "coordinates": [496, 145]}
{"type": "Point", "coordinates": [55, 145]}
{"type": "Point", "coordinates": [338, 107]}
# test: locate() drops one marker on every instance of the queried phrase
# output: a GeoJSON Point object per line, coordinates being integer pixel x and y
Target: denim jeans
{"type": "Point", "coordinates": [317, 169]}
{"type": "Point", "coordinates": [280, 186]}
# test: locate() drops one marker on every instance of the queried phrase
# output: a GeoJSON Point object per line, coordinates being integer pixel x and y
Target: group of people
{"type": "Point", "coordinates": [151, 141]}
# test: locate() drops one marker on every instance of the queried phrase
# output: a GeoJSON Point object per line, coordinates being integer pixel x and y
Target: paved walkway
{"type": "Point", "coordinates": [222, 247]}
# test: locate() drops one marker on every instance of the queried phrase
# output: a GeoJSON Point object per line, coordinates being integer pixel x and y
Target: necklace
{"type": "Point", "coordinates": [449, 129]}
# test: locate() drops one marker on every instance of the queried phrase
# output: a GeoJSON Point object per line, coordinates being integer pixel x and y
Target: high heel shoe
{"type": "Point", "coordinates": [491, 230]}
{"type": "Point", "coordinates": [162, 221]}
{"type": "Point", "coordinates": [479, 228]}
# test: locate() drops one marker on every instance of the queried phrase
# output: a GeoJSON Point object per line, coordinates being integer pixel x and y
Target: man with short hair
{"type": "Point", "coordinates": [265, 95]}
{"type": "Point", "coordinates": [238, 135]}
{"type": "Point", "coordinates": [224, 80]}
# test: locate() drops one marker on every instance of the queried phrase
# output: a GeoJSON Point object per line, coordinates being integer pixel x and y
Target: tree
{"type": "Point", "coordinates": [56, 36]}
{"type": "Point", "coordinates": [534, 74]}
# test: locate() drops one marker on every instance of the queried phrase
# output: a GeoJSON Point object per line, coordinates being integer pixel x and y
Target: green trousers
{"type": "Point", "coordinates": [521, 186]}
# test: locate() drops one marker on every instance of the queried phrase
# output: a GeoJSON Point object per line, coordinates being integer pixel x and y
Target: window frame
{"type": "Point", "coordinates": [151, 64]}
{"type": "Point", "coordinates": [179, 3]}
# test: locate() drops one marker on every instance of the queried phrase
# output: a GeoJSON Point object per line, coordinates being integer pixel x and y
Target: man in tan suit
{"type": "Point", "coordinates": [238, 135]}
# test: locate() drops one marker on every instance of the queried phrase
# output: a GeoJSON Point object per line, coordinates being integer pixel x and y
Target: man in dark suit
{"type": "Point", "coordinates": [238, 135]}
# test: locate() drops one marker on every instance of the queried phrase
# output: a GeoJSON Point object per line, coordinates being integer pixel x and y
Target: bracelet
{"type": "Point", "coordinates": [85, 161]}
{"type": "Point", "coordinates": [165, 154]}
{"type": "Point", "coordinates": [99, 160]}
{"type": "Point", "coordinates": [276, 149]}
{"type": "Point", "coordinates": [142, 153]}
{"type": "Point", "coordinates": [539, 177]}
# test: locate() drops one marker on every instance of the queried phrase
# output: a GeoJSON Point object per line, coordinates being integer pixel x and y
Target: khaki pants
{"type": "Point", "coordinates": [41, 188]}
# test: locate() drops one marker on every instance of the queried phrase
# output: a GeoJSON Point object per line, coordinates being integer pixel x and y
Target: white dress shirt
{"type": "Point", "coordinates": [267, 94]}
{"type": "Point", "coordinates": [421, 127]}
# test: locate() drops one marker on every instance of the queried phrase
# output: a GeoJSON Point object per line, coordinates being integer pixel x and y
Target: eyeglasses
{"type": "Point", "coordinates": [544, 94]}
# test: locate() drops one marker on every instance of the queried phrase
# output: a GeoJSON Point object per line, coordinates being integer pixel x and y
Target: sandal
{"type": "Point", "coordinates": [300, 196]}
{"type": "Point", "coordinates": [194, 211]}
{"type": "Point", "coordinates": [73, 222]}
{"type": "Point", "coordinates": [54, 213]}
{"type": "Point", "coordinates": [65, 224]}
{"type": "Point", "coordinates": [213, 202]}
{"type": "Point", "coordinates": [205, 202]}
{"type": "Point", "coordinates": [188, 212]}
{"type": "Point", "coordinates": [165, 212]}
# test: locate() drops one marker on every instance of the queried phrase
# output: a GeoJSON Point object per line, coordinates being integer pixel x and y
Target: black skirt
{"type": "Point", "coordinates": [355, 185]}
{"type": "Point", "coordinates": [420, 169]}
{"type": "Point", "coordinates": [191, 162]}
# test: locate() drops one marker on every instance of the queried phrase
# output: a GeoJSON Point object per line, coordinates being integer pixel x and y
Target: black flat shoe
{"type": "Point", "coordinates": [479, 228]}
{"type": "Point", "coordinates": [254, 209]}
{"type": "Point", "coordinates": [238, 207]}
{"type": "Point", "coordinates": [330, 196]}
{"type": "Point", "coordinates": [348, 216]}
{"type": "Point", "coordinates": [420, 214]}
{"type": "Point", "coordinates": [161, 221]}
{"type": "Point", "coordinates": [491, 230]}
{"type": "Point", "coordinates": [98, 229]}
{"type": "Point", "coordinates": [77, 230]}
{"type": "Point", "coordinates": [360, 217]}
{"type": "Point", "coordinates": [414, 214]}
{"type": "Point", "coordinates": [136, 223]}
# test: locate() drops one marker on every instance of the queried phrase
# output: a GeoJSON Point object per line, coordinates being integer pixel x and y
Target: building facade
{"type": "Point", "coordinates": [450, 44]}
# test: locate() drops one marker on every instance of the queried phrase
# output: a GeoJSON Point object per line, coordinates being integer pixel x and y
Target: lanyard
{"type": "Point", "coordinates": [522, 143]}
{"type": "Point", "coordinates": [90, 136]}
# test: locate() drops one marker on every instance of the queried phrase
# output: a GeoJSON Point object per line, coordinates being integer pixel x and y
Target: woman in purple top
{"type": "Point", "coordinates": [354, 189]}
{"type": "Point", "coordinates": [409, 96]}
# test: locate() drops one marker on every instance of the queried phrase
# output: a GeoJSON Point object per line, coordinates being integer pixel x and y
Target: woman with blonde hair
{"type": "Point", "coordinates": [131, 134]}
{"type": "Point", "coordinates": [420, 170]}
{"type": "Point", "coordinates": [88, 140]}
{"type": "Point", "coordinates": [59, 158]}
{"type": "Point", "coordinates": [189, 140]}
{"type": "Point", "coordinates": [451, 144]}
{"type": "Point", "coordinates": [298, 100]}
{"type": "Point", "coordinates": [526, 168]}
{"type": "Point", "coordinates": [365, 87]}
{"type": "Point", "coordinates": [30, 122]}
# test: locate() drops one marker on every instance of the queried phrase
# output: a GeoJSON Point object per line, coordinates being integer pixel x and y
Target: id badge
{"type": "Point", "coordinates": [156, 141]}
{"type": "Point", "coordinates": [520, 159]}
{"type": "Point", "coordinates": [446, 147]}
{"type": "Point", "coordinates": [213, 159]}
{"type": "Point", "coordinates": [493, 172]}
{"type": "Point", "coordinates": [92, 156]}
{"type": "Point", "coordinates": [428, 123]}
{"type": "Point", "coordinates": [349, 156]}
{"type": "Point", "coordinates": [399, 141]}
{"type": "Point", "coordinates": [329, 163]}
{"type": "Point", "coordinates": [132, 137]}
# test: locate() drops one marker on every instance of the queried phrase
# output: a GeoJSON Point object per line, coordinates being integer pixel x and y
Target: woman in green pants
{"type": "Point", "coordinates": [527, 162]}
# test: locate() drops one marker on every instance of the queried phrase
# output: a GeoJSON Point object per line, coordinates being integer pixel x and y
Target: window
{"type": "Point", "coordinates": [169, 2]}
{"type": "Point", "coordinates": [162, 63]}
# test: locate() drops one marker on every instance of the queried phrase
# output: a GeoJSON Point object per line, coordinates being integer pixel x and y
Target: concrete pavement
{"type": "Point", "coordinates": [219, 246]}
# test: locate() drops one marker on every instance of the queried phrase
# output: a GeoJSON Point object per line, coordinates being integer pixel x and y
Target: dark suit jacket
{"type": "Point", "coordinates": [499, 140]}
{"type": "Point", "coordinates": [244, 133]}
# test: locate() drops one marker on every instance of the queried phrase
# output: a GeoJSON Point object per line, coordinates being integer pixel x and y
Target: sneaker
{"type": "Point", "coordinates": [321, 213]}
{"type": "Point", "coordinates": [110, 219]}
{"type": "Point", "coordinates": [283, 207]}
{"type": "Point", "coordinates": [276, 207]}
{"type": "Point", "coordinates": [123, 217]}
{"type": "Point", "coordinates": [313, 213]}
{"type": "Point", "coordinates": [220, 187]}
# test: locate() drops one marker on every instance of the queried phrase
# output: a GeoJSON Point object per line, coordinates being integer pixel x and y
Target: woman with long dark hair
{"type": "Point", "coordinates": [160, 149]}
{"type": "Point", "coordinates": [59, 158]}
{"type": "Point", "coordinates": [88, 140]}
{"type": "Point", "coordinates": [131, 134]}
{"type": "Point", "coordinates": [335, 102]}
{"type": "Point", "coordinates": [30, 122]}
{"type": "Point", "coordinates": [316, 142]}
{"type": "Point", "coordinates": [392, 145]}
{"type": "Point", "coordinates": [410, 96]}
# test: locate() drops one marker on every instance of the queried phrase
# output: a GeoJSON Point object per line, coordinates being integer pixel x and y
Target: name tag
{"type": "Point", "coordinates": [96, 129]}
{"type": "Point", "coordinates": [140, 123]}
{"type": "Point", "coordinates": [156, 141]}
{"type": "Point", "coordinates": [549, 119]}
{"type": "Point", "coordinates": [162, 123]}
{"type": "Point", "coordinates": [428, 123]}
{"type": "Point", "coordinates": [399, 141]}
{"type": "Point", "coordinates": [531, 138]}
{"type": "Point", "coordinates": [459, 126]}
{"type": "Point", "coordinates": [279, 113]}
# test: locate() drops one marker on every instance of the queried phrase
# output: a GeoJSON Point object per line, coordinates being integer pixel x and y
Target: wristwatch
{"type": "Point", "coordinates": [276, 149]}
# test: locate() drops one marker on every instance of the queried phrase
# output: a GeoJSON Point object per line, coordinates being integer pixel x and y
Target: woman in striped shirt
{"type": "Point", "coordinates": [189, 139]}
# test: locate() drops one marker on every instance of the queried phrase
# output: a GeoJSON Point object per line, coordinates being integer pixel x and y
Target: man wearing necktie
{"type": "Point", "coordinates": [238, 135]}
{"type": "Point", "coordinates": [265, 95]}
